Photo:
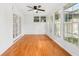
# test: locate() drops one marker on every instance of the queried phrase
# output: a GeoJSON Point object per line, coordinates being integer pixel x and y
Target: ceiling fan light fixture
{"type": "Point", "coordinates": [36, 11]}
{"type": "Point", "coordinates": [39, 6]}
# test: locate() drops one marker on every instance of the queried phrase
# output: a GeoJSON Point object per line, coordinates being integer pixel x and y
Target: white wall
{"type": "Point", "coordinates": [6, 25]}
{"type": "Point", "coordinates": [30, 27]}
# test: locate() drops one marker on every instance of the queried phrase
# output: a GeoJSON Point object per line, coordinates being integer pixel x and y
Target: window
{"type": "Point", "coordinates": [36, 18]}
{"type": "Point", "coordinates": [71, 24]}
{"type": "Point", "coordinates": [43, 19]}
{"type": "Point", "coordinates": [39, 18]}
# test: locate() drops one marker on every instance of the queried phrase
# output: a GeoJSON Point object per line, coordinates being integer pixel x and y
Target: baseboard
{"type": "Point", "coordinates": [59, 44]}
{"type": "Point", "coordinates": [12, 43]}
{"type": "Point", "coordinates": [70, 48]}
{"type": "Point", "coordinates": [18, 37]}
{"type": "Point", "coordinates": [35, 33]}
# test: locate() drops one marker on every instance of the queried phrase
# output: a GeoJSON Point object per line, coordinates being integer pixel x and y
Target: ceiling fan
{"type": "Point", "coordinates": [36, 8]}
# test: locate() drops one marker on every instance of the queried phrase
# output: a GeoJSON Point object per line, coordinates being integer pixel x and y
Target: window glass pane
{"type": "Point", "coordinates": [43, 18]}
{"type": "Point", "coordinates": [36, 18]}
{"type": "Point", "coordinates": [76, 7]}
{"type": "Point", "coordinates": [68, 9]}
{"type": "Point", "coordinates": [68, 30]}
{"type": "Point", "coordinates": [57, 29]}
{"type": "Point", "coordinates": [68, 17]}
{"type": "Point", "coordinates": [75, 17]}
{"type": "Point", "coordinates": [75, 28]}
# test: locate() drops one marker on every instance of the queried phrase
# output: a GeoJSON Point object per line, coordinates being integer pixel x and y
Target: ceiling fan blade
{"type": "Point", "coordinates": [29, 6]}
{"type": "Point", "coordinates": [37, 11]}
{"type": "Point", "coordinates": [30, 10]}
{"type": "Point", "coordinates": [40, 9]}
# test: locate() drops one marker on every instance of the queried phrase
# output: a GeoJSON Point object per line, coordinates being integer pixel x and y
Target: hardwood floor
{"type": "Point", "coordinates": [35, 45]}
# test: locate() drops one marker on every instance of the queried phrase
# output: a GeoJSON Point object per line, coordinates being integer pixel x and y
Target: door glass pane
{"type": "Point", "coordinates": [57, 28]}
{"type": "Point", "coordinates": [16, 25]}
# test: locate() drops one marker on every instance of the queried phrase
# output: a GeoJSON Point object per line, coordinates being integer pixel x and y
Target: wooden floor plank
{"type": "Point", "coordinates": [35, 45]}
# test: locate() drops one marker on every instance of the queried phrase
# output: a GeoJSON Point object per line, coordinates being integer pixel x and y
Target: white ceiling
{"type": "Point", "coordinates": [48, 7]}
